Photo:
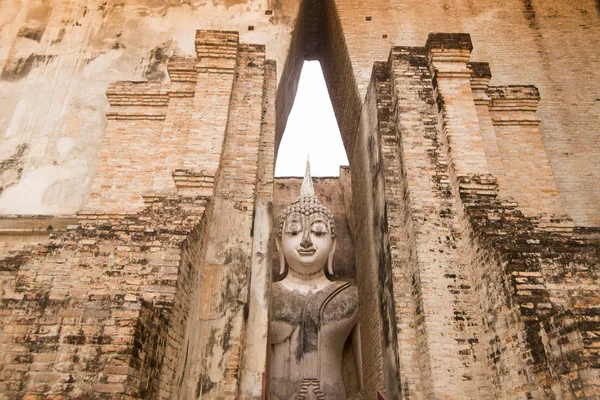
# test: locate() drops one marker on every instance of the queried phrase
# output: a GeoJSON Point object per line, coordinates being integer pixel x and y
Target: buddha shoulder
{"type": "Point", "coordinates": [343, 305]}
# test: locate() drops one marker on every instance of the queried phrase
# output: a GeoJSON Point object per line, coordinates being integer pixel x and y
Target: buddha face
{"type": "Point", "coordinates": [306, 242]}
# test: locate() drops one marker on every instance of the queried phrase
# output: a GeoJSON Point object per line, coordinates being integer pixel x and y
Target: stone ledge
{"type": "Point", "coordinates": [449, 42]}
{"type": "Point", "coordinates": [515, 121]}
{"type": "Point", "coordinates": [480, 81]}
{"type": "Point", "coordinates": [191, 183]}
{"type": "Point", "coordinates": [478, 185]}
{"type": "Point", "coordinates": [216, 45]}
{"type": "Point", "coordinates": [138, 93]}
{"type": "Point", "coordinates": [450, 52]}
{"type": "Point", "coordinates": [189, 178]}
{"type": "Point", "coordinates": [514, 105]}
{"type": "Point", "coordinates": [182, 69]}
{"type": "Point", "coordinates": [132, 115]}
{"type": "Point", "coordinates": [481, 70]}
{"type": "Point", "coordinates": [514, 97]}
{"type": "Point", "coordinates": [35, 224]}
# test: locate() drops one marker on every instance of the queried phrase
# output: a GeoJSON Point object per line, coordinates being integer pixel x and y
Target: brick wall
{"type": "Point", "coordinates": [377, 320]}
{"type": "Point", "coordinates": [88, 314]}
{"type": "Point", "coordinates": [487, 301]}
{"type": "Point", "coordinates": [214, 338]}
{"type": "Point", "coordinates": [464, 292]}
{"type": "Point", "coordinates": [104, 309]}
{"type": "Point", "coordinates": [526, 42]}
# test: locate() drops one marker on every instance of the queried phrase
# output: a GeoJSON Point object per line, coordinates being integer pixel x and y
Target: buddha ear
{"type": "Point", "coordinates": [330, 257]}
{"type": "Point", "coordinates": [281, 256]}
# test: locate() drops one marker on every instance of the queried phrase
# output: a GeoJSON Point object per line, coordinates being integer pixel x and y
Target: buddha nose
{"type": "Point", "coordinates": [306, 242]}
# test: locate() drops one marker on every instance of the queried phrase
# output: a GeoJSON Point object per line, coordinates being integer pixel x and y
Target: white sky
{"type": "Point", "coordinates": [311, 129]}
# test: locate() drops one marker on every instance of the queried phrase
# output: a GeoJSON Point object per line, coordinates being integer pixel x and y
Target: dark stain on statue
{"type": "Point", "coordinates": [212, 342]}
{"type": "Point", "coordinates": [286, 309]}
{"type": "Point", "coordinates": [346, 305]}
{"type": "Point", "coordinates": [310, 331]}
{"type": "Point", "coordinates": [158, 59]}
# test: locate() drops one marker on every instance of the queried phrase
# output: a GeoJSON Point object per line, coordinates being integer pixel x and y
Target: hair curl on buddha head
{"type": "Point", "coordinates": [307, 204]}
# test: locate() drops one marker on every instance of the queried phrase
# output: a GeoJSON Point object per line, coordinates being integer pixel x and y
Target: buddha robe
{"type": "Point", "coordinates": [308, 332]}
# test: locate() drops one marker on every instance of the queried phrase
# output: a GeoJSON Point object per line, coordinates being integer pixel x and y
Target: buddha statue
{"type": "Point", "coordinates": [312, 316]}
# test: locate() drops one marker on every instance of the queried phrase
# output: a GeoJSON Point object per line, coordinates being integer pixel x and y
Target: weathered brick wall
{"type": "Point", "coordinates": [404, 278]}
{"type": "Point", "coordinates": [503, 343]}
{"type": "Point", "coordinates": [510, 254]}
{"type": "Point", "coordinates": [158, 132]}
{"type": "Point", "coordinates": [187, 285]}
{"type": "Point", "coordinates": [381, 371]}
{"type": "Point", "coordinates": [570, 267]}
{"type": "Point", "coordinates": [214, 338]}
{"type": "Point", "coordinates": [570, 344]}
{"type": "Point", "coordinates": [539, 292]}
{"type": "Point", "coordinates": [488, 302]}
{"type": "Point", "coordinates": [433, 290]}
{"type": "Point", "coordinates": [128, 281]}
{"type": "Point", "coordinates": [88, 314]}
{"type": "Point", "coordinates": [525, 42]}
{"type": "Point", "coordinates": [57, 59]}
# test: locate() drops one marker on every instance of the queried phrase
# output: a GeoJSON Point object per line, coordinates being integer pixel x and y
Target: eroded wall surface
{"type": "Point", "coordinates": [160, 288]}
{"type": "Point", "coordinates": [57, 58]}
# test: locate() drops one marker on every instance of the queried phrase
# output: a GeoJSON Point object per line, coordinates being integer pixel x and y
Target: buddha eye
{"type": "Point", "coordinates": [293, 229]}
{"type": "Point", "coordinates": [319, 228]}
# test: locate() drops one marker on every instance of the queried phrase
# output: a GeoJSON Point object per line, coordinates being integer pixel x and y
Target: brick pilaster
{"type": "Point", "coordinates": [255, 365]}
{"type": "Point", "coordinates": [434, 282]}
{"type": "Point", "coordinates": [216, 62]}
{"type": "Point", "coordinates": [448, 55]}
{"type": "Point", "coordinates": [227, 119]}
{"type": "Point", "coordinates": [155, 128]}
{"type": "Point", "coordinates": [480, 81]}
{"type": "Point", "coordinates": [529, 176]}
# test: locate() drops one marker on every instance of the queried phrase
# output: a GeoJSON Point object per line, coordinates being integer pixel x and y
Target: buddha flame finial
{"type": "Point", "coordinates": [307, 185]}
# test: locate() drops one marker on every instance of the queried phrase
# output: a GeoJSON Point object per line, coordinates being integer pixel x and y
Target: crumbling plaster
{"type": "Point", "coordinates": [57, 59]}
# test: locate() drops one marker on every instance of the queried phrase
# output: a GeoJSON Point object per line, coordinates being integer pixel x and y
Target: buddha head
{"type": "Point", "coordinates": [306, 238]}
